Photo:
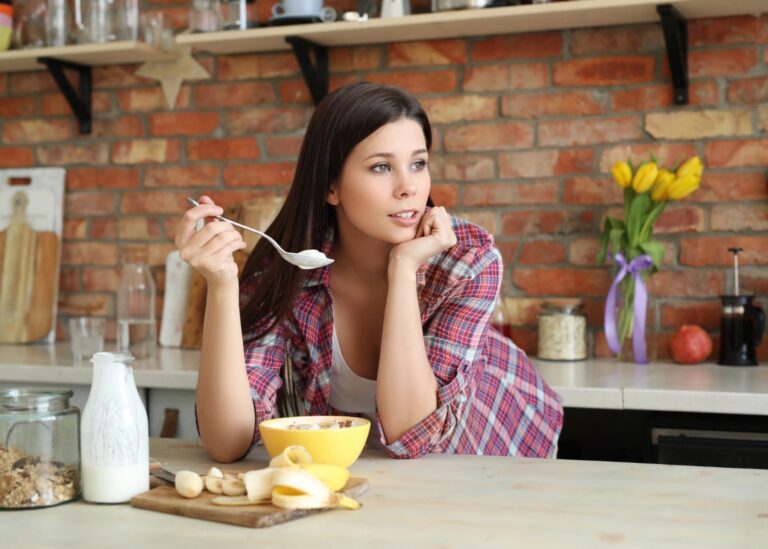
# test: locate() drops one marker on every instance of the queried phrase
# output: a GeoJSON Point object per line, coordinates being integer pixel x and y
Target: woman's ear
{"type": "Point", "coordinates": [333, 196]}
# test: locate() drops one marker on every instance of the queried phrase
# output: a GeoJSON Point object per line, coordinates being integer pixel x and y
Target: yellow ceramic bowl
{"type": "Point", "coordinates": [341, 446]}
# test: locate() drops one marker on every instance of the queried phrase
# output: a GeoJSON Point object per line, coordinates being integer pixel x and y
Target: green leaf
{"type": "Point", "coordinates": [647, 228]}
{"type": "Point", "coordinates": [615, 237]}
{"type": "Point", "coordinates": [635, 217]}
{"type": "Point", "coordinates": [655, 250]}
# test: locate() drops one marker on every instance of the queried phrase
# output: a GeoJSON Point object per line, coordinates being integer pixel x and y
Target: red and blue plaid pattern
{"type": "Point", "coordinates": [490, 399]}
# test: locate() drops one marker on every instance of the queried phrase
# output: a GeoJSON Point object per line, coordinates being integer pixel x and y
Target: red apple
{"type": "Point", "coordinates": [690, 345]}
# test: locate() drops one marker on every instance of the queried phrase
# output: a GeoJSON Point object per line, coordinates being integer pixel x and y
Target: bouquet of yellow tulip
{"type": "Point", "coordinates": [647, 190]}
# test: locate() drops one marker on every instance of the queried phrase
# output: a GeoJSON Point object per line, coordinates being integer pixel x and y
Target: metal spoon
{"type": "Point", "coordinates": [307, 259]}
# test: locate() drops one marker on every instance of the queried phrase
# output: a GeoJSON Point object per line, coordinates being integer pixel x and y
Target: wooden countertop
{"type": "Point", "coordinates": [599, 383]}
{"type": "Point", "coordinates": [450, 501]}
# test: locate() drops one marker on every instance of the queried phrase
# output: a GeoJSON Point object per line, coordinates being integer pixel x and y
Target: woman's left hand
{"type": "Point", "coordinates": [433, 236]}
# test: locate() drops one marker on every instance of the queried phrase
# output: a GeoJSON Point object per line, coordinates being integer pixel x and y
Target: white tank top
{"type": "Point", "coordinates": [352, 393]}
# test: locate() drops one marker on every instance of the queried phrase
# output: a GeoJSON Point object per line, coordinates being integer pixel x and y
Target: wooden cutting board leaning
{"type": "Point", "coordinates": [165, 499]}
{"type": "Point", "coordinates": [30, 232]}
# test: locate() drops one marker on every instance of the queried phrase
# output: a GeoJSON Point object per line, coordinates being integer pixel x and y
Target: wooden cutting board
{"type": "Point", "coordinates": [165, 500]}
{"type": "Point", "coordinates": [29, 273]}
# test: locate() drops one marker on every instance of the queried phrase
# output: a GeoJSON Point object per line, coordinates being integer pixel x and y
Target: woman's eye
{"type": "Point", "coordinates": [419, 165]}
{"type": "Point", "coordinates": [380, 168]}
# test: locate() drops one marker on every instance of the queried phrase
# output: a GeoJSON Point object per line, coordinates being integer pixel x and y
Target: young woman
{"type": "Point", "coordinates": [396, 329]}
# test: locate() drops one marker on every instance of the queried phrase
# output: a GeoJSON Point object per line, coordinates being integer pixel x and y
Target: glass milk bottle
{"type": "Point", "coordinates": [114, 433]}
{"type": "Point", "coordinates": [136, 323]}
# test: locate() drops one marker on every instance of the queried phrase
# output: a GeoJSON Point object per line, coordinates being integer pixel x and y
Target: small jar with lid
{"type": "Point", "coordinates": [39, 448]}
{"type": "Point", "coordinates": [562, 332]}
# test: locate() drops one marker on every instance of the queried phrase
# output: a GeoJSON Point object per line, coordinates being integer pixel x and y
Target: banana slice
{"type": "Point", "coordinates": [258, 484]}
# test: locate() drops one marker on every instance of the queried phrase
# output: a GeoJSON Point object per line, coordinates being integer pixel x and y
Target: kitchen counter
{"type": "Point", "coordinates": [449, 501]}
{"type": "Point", "coordinates": [602, 384]}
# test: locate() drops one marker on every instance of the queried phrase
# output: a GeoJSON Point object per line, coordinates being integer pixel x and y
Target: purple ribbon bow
{"type": "Point", "coordinates": [640, 263]}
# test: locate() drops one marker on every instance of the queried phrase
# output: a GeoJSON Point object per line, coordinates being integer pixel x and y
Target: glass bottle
{"type": "Point", "coordinates": [562, 332]}
{"type": "Point", "coordinates": [501, 319]}
{"type": "Point", "coordinates": [136, 322]}
{"type": "Point", "coordinates": [114, 433]}
{"type": "Point", "coordinates": [235, 15]}
{"type": "Point", "coordinates": [39, 448]}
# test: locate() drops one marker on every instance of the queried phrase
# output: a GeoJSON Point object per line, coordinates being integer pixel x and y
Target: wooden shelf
{"type": "Point", "coordinates": [111, 53]}
{"type": "Point", "coordinates": [465, 23]}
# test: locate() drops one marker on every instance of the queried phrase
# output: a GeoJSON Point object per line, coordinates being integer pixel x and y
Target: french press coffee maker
{"type": "Point", "coordinates": [741, 325]}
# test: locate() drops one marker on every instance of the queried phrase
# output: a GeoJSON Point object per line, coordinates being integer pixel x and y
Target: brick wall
{"type": "Point", "coordinates": [526, 127]}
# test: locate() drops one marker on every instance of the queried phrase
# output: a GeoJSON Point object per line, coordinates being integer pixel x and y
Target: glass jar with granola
{"type": "Point", "coordinates": [562, 332]}
{"type": "Point", "coordinates": [39, 448]}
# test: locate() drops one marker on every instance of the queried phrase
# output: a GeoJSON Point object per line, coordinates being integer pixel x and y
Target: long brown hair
{"type": "Point", "coordinates": [341, 121]}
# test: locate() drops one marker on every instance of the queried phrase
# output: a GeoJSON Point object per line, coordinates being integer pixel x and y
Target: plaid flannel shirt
{"type": "Point", "coordinates": [490, 398]}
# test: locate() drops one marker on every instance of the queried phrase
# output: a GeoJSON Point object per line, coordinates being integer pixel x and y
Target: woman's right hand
{"type": "Point", "coordinates": [210, 249]}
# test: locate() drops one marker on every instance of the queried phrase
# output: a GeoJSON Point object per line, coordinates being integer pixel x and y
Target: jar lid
{"type": "Point", "coordinates": [567, 308]}
{"type": "Point", "coordinates": [41, 399]}
{"type": "Point", "coordinates": [120, 356]}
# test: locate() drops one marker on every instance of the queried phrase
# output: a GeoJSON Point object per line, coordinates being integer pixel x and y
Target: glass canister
{"type": "Point", "coordinates": [562, 332]}
{"type": "Point", "coordinates": [39, 448]}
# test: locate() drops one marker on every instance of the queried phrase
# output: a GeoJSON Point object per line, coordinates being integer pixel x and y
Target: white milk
{"type": "Point", "coordinates": [114, 484]}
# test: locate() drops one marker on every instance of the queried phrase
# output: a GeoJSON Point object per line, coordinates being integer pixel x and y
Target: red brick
{"type": "Point", "coordinates": [527, 223]}
{"type": "Point", "coordinates": [729, 187]}
{"type": "Point", "coordinates": [90, 153]}
{"type": "Point", "coordinates": [618, 39]}
{"type": "Point", "coordinates": [11, 107]}
{"type": "Point", "coordinates": [753, 217]}
{"type": "Point", "coordinates": [116, 76]}
{"type": "Point", "coordinates": [37, 130]}
{"type": "Point", "coordinates": [658, 96]}
{"type": "Point", "coordinates": [748, 90]}
{"type": "Point", "coordinates": [197, 175]}
{"type": "Point", "coordinates": [591, 190]}
{"type": "Point", "coordinates": [589, 131]}
{"type": "Point", "coordinates": [85, 305]}
{"type": "Point", "coordinates": [104, 177]}
{"type": "Point", "coordinates": [444, 195]}
{"type": "Point", "coordinates": [755, 280]}
{"type": "Point", "coordinates": [215, 96]}
{"type": "Point", "coordinates": [260, 65]}
{"type": "Point", "coordinates": [32, 82]}
{"type": "Point", "coordinates": [175, 18]}
{"type": "Point", "coordinates": [468, 168]}
{"type": "Point", "coordinates": [583, 251]}
{"type": "Point", "coordinates": [518, 76]}
{"type": "Point", "coordinates": [722, 62]}
{"type": "Point", "coordinates": [55, 104]}
{"type": "Point", "coordinates": [461, 107]}
{"type": "Point", "coordinates": [488, 137]}
{"type": "Point", "coordinates": [604, 71]}
{"type": "Point", "coordinates": [668, 154]}
{"type": "Point", "coordinates": [90, 253]}
{"type": "Point", "coordinates": [75, 229]}
{"type": "Point", "coordinates": [294, 91]}
{"type": "Point", "coordinates": [101, 280]}
{"type": "Point", "coordinates": [687, 283]}
{"type": "Point", "coordinates": [288, 145]}
{"type": "Point", "coordinates": [357, 58]}
{"type": "Point", "coordinates": [717, 31]}
{"type": "Point", "coordinates": [3, 84]}
{"type": "Point", "coordinates": [564, 282]}
{"type": "Point", "coordinates": [90, 203]}
{"type": "Point", "coordinates": [418, 82]}
{"type": "Point", "coordinates": [103, 228]}
{"type": "Point", "coordinates": [702, 313]}
{"type": "Point", "coordinates": [143, 151]}
{"type": "Point", "coordinates": [747, 152]}
{"type": "Point", "coordinates": [69, 280]}
{"type": "Point", "coordinates": [432, 52]}
{"type": "Point", "coordinates": [187, 123]}
{"type": "Point", "coordinates": [118, 126]}
{"type": "Point", "coordinates": [680, 219]}
{"type": "Point", "coordinates": [266, 119]}
{"type": "Point", "coordinates": [541, 252]}
{"type": "Point", "coordinates": [510, 194]}
{"type": "Point", "coordinates": [236, 148]}
{"type": "Point", "coordinates": [267, 174]}
{"type": "Point", "coordinates": [518, 46]}
{"type": "Point", "coordinates": [236, 196]}
{"type": "Point", "coordinates": [14, 157]}
{"type": "Point", "coordinates": [545, 163]}
{"type": "Point", "coordinates": [154, 202]}
{"type": "Point", "coordinates": [139, 228]}
{"type": "Point", "coordinates": [713, 250]}
{"type": "Point", "coordinates": [535, 105]}
{"type": "Point", "coordinates": [150, 99]}
{"type": "Point", "coordinates": [508, 250]}
{"type": "Point", "coordinates": [526, 339]}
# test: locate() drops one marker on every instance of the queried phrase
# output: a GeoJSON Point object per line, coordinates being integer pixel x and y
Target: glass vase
{"type": "Point", "coordinates": [626, 322]}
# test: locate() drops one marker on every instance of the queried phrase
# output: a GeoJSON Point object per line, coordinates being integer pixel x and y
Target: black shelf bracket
{"type": "Point", "coordinates": [315, 75]}
{"type": "Point", "coordinates": [80, 100]}
{"type": "Point", "coordinates": [675, 29]}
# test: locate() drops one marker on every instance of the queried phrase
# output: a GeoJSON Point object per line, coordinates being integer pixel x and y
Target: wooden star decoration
{"type": "Point", "coordinates": [172, 72]}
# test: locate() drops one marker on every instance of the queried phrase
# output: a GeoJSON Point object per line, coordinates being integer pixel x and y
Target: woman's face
{"type": "Point", "coordinates": [384, 185]}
